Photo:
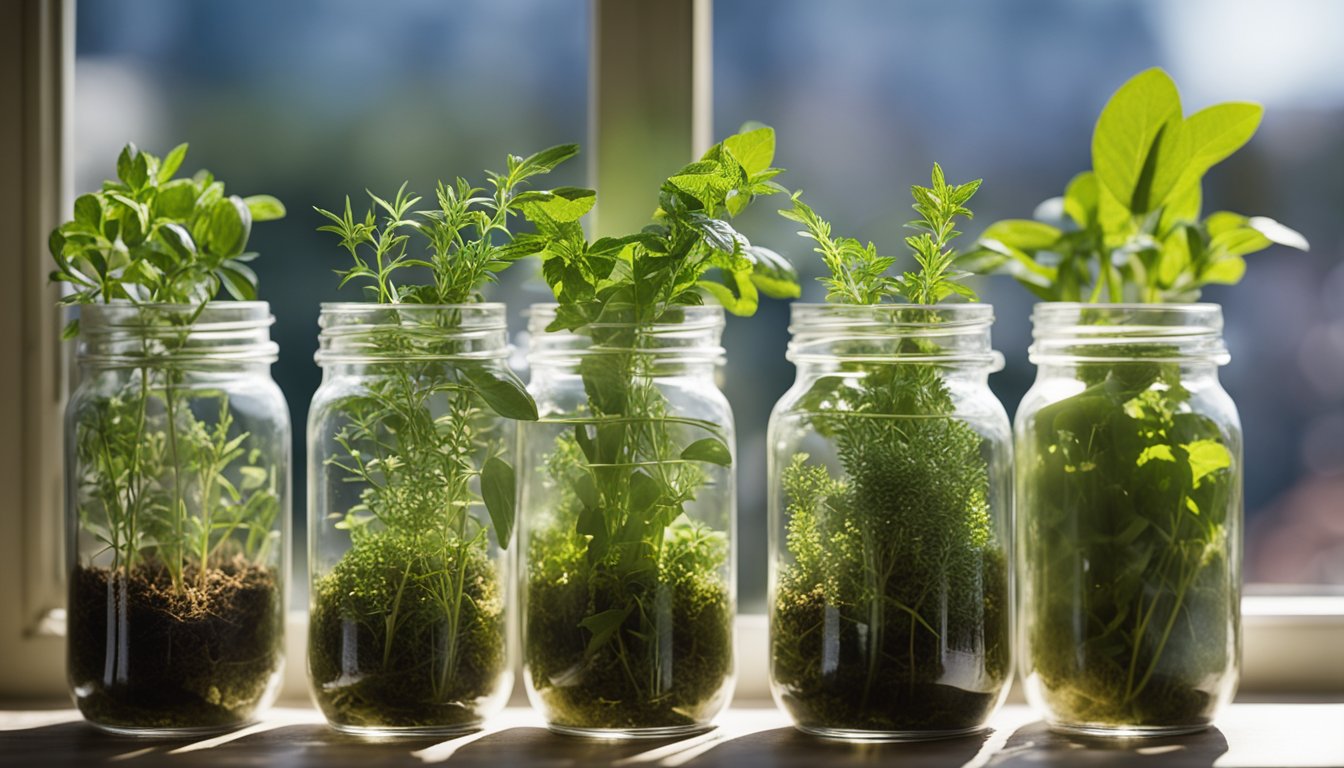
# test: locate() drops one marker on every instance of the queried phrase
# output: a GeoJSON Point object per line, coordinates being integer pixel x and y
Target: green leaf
{"type": "Point", "coordinates": [239, 280]}
{"type": "Point", "coordinates": [1144, 112]}
{"type": "Point", "coordinates": [179, 241]}
{"type": "Point", "coordinates": [503, 391]}
{"type": "Point", "coordinates": [499, 491]}
{"type": "Point", "coordinates": [772, 273]}
{"type": "Point", "coordinates": [126, 164]}
{"type": "Point", "coordinates": [1227, 271]}
{"type": "Point", "coordinates": [709, 449]}
{"type": "Point", "coordinates": [1216, 132]}
{"type": "Point", "coordinates": [176, 200]}
{"type": "Point", "coordinates": [1023, 234]}
{"type": "Point", "coordinates": [88, 210]}
{"type": "Point", "coordinates": [1206, 457]}
{"type": "Point", "coordinates": [253, 477]}
{"type": "Point", "coordinates": [753, 149]}
{"type": "Point", "coordinates": [741, 302]}
{"type": "Point", "coordinates": [264, 207]}
{"type": "Point", "coordinates": [228, 226]}
{"type": "Point", "coordinates": [547, 159]}
{"type": "Point", "coordinates": [1238, 242]}
{"type": "Point", "coordinates": [1081, 200]}
{"type": "Point", "coordinates": [562, 204]}
{"type": "Point", "coordinates": [172, 162]}
{"type": "Point", "coordinates": [603, 626]}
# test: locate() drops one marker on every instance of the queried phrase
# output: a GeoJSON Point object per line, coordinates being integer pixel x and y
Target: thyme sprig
{"type": "Point", "coordinates": [859, 275]}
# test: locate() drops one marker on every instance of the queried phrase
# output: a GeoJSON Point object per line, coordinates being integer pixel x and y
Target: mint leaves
{"type": "Point", "coordinates": [859, 274]}
{"type": "Point", "coordinates": [150, 238]}
{"type": "Point", "coordinates": [689, 249]}
{"type": "Point", "coordinates": [1130, 229]}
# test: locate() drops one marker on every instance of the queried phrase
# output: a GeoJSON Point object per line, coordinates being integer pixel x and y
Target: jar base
{"type": "Point", "coordinates": [861, 735]}
{"type": "Point", "coordinates": [631, 734]}
{"type": "Point", "coordinates": [382, 732]}
{"type": "Point", "coordinates": [1096, 730]}
{"type": "Point", "coordinates": [188, 732]}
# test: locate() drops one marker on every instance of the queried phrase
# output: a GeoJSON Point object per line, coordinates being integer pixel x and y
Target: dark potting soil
{"type": "Point", "coordinates": [143, 655]}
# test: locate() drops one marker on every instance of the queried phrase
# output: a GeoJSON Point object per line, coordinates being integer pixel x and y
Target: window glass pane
{"type": "Point", "coordinates": [310, 101]}
{"type": "Point", "coordinates": [867, 95]}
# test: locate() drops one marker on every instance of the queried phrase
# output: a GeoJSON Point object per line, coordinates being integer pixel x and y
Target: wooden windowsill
{"type": "Point", "coordinates": [1249, 734]}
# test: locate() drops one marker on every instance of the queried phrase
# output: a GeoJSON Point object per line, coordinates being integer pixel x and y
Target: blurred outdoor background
{"type": "Point", "coordinates": [311, 100]}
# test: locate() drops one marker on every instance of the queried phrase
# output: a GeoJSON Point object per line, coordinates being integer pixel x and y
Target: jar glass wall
{"type": "Point", "coordinates": [627, 523]}
{"type": "Point", "coordinates": [178, 504]}
{"type": "Point", "coordinates": [890, 498]}
{"type": "Point", "coordinates": [1129, 517]}
{"type": "Point", "coordinates": [411, 494]}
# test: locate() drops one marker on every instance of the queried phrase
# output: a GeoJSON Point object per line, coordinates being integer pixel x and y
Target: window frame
{"type": "Point", "coordinates": [634, 43]}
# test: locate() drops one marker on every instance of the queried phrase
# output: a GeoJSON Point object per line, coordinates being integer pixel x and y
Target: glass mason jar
{"type": "Point", "coordinates": [1129, 517]}
{"type": "Point", "coordinates": [411, 506]}
{"type": "Point", "coordinates": [177, 467]}
{"type": "Point", "coordinates": [890, 490]}
{"type": "Point", "coordinates": [628, 511]}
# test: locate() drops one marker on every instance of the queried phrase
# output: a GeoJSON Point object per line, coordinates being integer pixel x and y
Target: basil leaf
{"type": "Point", "coordinates": [499, 491]}
{"type": "Point", "coordinates": [502, 391]}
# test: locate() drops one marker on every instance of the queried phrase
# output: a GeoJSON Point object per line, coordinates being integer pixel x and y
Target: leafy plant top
{"type": "Point", "coordinates": [1130, 228]}
{"type": "Point", "coordinates": [466, 237]}
{"type": "Point", "coordinates": [860, 276]}
{"type": "Point", "coordinates": [148, 237]}
{"type": "Point", "coordinates": [638, 277]}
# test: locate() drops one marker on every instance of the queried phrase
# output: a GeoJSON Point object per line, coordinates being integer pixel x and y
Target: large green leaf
{"type": "Point", "coordinates": [754, 149]}
{"type": "Point", "coordinates": [1144, 112]}
{"type": "Point", "coordinates": [499, 491]}
{"type": "Point", "coordinates": [710, 449]}
{"type": "Point", "coordinates": [502, 391]}
{"type": "Point", "coordinates": [264, 207]}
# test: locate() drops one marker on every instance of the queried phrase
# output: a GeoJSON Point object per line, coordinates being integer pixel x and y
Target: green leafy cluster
{"type": "Point", "coordinates": [467, 237]}
{"type": "Point", "coordinates": [158, 481]}
{"type": "Point", "coordinates": [893, 563]}
{"type": "Point", "coordinates": [182, 503]}
{"type": "Point", "coordinates": [1130, 228]}
{"type": "Point", "coordinates": [629, 611]}
{"type": "Point", "coordinates": [160, 485]}
{"type": "Point", "coordinates": [860, 276]}
{"type": "Point", "coordinates": [636, 278]}
{"type": "Point", "coordinates": [150, 238]}
{"type": "Point", "coordinates": [1129, 479]}
{"type": "Point", "coordinates": [425, 442]}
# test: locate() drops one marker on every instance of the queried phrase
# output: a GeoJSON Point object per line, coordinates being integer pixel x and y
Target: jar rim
{"type": "Point", "coordinates": [224, 332]}
{"type": "Point", "coordinates": [1071, 332]}
{"type": "Point", "coordinates": [954, 334]}
{"type": "Point", "coordinates": [351, 333]}
{"type": "Point", "coordinates": [354, 306]}
{"type": "Point", "coordinates": [695, 339]}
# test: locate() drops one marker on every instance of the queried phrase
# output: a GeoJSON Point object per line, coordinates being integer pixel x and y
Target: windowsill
{"type": "Point", "coordinates": [1249, 734]}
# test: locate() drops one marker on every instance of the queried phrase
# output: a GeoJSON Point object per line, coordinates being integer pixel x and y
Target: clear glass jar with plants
{"type": "Point", "coordinates": [1129, 470]}
{"type": "Point", "coordinates": [411, 482]}
{"type": "Point", "coordinates": [627, 478]}
{"type": "Point", "coordinates": [177, 456]}
{"type": "Point", "coordinates": [890, 492]}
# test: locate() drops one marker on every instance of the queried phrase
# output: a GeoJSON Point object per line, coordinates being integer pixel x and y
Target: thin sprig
{"type": "Point", "coordinates": [859, 275]}
{"type": "Point", "coordinates": [938, 207]}
{"type": "Point", "coordinates": [467, 240]}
